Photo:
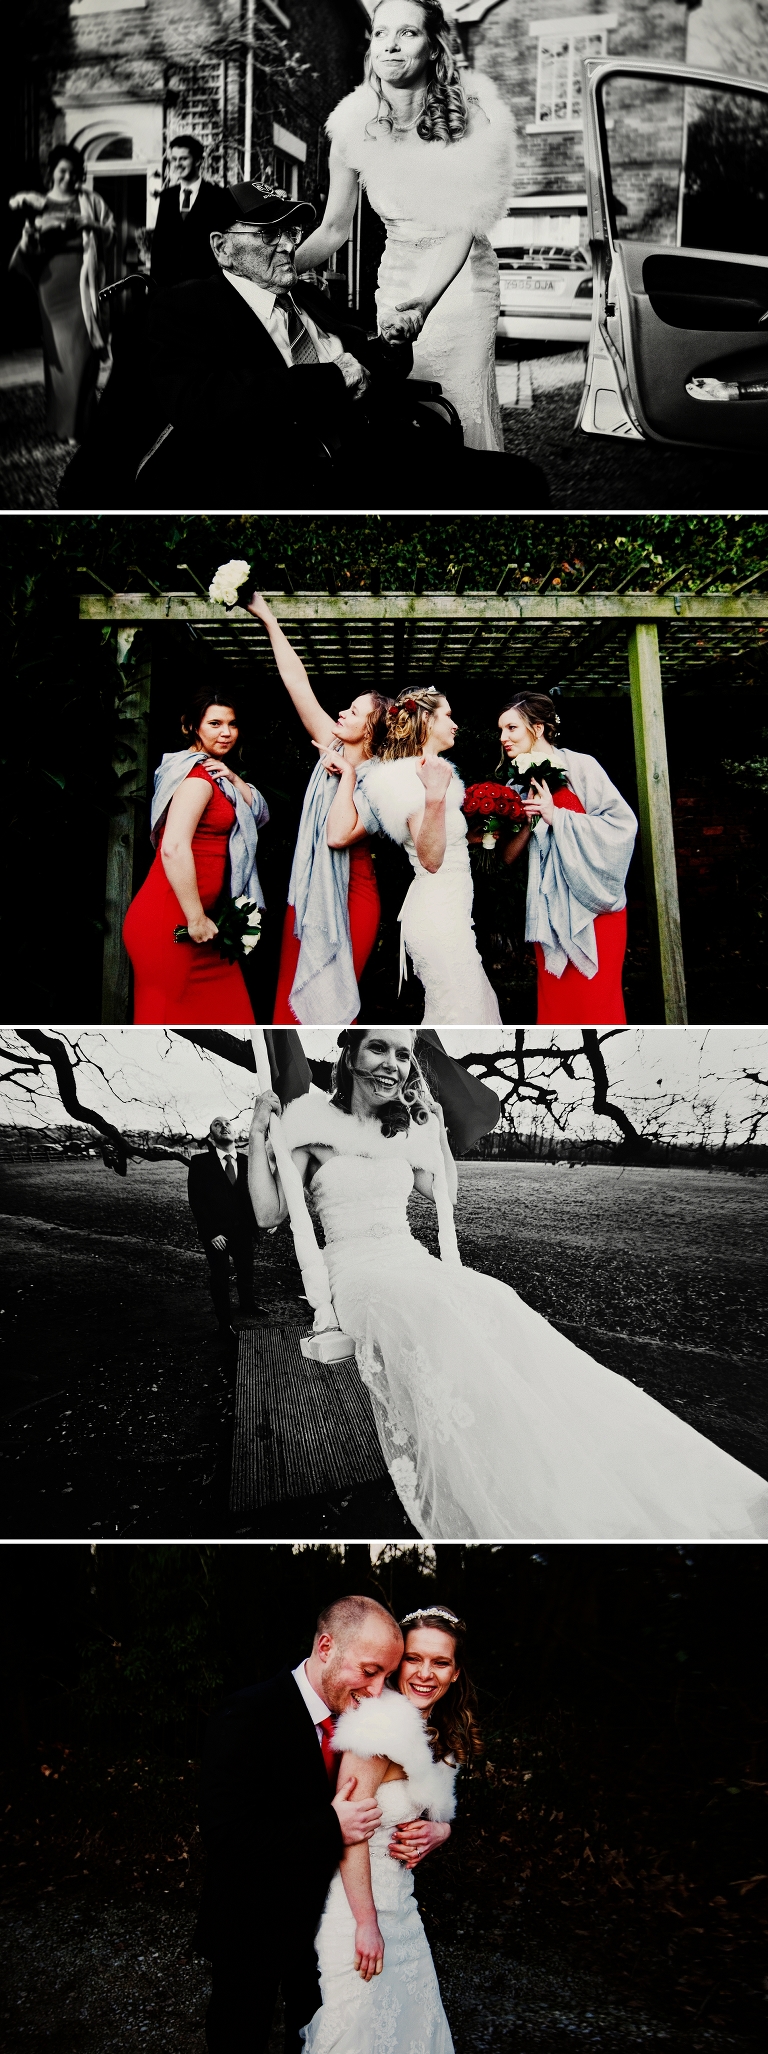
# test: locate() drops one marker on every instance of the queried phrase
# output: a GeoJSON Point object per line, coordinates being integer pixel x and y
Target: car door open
{"type": "Point", "coordinates": [677, 184]}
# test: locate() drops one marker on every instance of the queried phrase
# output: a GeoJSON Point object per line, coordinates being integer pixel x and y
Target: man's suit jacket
{"type": "Point", "coordinates": [220, 1207]}
{"type": "Point", "coordinates": [271, 1837]}
{"type": "Point", "coordinates": [181, 246]}
{"type": "Point", "coordinates": [248, 429]}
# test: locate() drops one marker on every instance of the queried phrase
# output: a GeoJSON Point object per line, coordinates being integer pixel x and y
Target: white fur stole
{"type": "Point", "coordinates": [394, 792]}
{"type": "Point", "coordinates": [390, 1725]}
{"type": "Point", "coordinates": [445, 186]}
{"type": "Point", "coordinates": [312, 1118]}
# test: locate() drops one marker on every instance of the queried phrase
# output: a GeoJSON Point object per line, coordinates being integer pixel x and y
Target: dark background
{"type": "Point", "coordinates": [618, 1816]}
{"type": "Point", "coordinates": [56, 741]}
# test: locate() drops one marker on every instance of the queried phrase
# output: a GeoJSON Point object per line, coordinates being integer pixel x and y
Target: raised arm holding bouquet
{"type": "Point", "coordinates": [580, 841]}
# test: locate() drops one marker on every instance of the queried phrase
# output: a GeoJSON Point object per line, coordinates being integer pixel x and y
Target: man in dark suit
{"type": "Point", "coordinates": [218, 1194]}
{"type": "Point", "coordinates": [274, 1825]}
{"type": "Point", "coordinates": [249, 389]}
{"type": "Point", "coordinates": [189, 209]}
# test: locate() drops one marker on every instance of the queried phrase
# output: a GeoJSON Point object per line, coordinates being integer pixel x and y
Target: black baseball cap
{"type": "Point", "coordinates": [267, 206]}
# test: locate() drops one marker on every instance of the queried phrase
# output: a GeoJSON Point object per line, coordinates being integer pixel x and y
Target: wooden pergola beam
{"type": "Point", "coordinates": [145, 609]}
{"type": "Point", "coordinates": [130, 768]}
{"type": "Point", "coordinates": [655, 807]}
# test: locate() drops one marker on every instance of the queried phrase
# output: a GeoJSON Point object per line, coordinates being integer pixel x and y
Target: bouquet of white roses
{"type": "Point", "coordinates": [239, 925]}
{"type": "Point", "coordinates": [539, 766]}
{"type": "Point", "coordinates": [225, 586]}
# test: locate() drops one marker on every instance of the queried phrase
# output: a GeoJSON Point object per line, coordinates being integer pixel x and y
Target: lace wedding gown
{"type": "Point", "coordinates": [423, 191]}
{"type": "Point", "coordinates": [399, 2011]}
{"type": "Point", "coordinates": [436, 923]}
{"type": "Point", "coordinates": [494, 1425]}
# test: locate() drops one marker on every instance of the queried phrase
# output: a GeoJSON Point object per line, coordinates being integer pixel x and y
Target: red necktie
{"type": "Point", "coordinates": [330, 1757]}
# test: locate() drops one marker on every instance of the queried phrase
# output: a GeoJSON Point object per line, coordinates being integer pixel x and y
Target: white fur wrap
{"type": "Point", "coordinates": [390, 1725]}
{"type": "Point", "coordinates": [313, 1119]}
{"type": "Point", "coordinates": [389, 791]}
{"type": "Point", "coordinates": [444, 186]}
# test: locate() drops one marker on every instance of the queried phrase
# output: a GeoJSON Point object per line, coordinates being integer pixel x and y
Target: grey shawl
{"type": "Point", "coordinates": [324, 990]}
{"type": "Point", "coordinates": [577, 868]}
{"type": "Point", "coordinates": [243, 840]}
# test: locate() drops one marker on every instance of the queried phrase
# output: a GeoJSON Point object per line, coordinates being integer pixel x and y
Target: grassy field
{"type": "Point", "coordinates": [117, 1409]}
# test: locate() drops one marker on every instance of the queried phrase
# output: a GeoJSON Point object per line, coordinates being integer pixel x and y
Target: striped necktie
{"type": "Point", "coordinates": [301, 345]}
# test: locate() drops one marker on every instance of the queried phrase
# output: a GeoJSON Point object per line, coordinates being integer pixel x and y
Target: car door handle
{"type": "Point", "coordinates": [728, 389]}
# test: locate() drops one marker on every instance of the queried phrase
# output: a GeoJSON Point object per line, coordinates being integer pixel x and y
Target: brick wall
{"type": "Point", "coordinates": [501, 45]}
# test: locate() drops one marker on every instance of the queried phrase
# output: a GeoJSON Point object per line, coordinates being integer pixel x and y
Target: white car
{"type": "Point", "coordinates": [546, 291]}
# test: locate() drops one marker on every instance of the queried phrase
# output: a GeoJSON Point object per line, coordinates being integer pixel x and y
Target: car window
{"type": "Point", "coordinates": [688, 165]}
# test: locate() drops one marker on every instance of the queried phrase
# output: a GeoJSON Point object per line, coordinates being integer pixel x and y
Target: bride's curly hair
{"type": "Point", "coordinates": [413, 1103]}
{"type": "Point", "coordinates": [445, 115]}
{"type": "Point", "coordinates": [403, 729]}
{"type": "Point", "coordinates": [453, 1728]}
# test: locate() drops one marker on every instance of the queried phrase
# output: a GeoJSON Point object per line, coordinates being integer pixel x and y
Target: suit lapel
{"type": "Point", "coordinates": [300, 1723]}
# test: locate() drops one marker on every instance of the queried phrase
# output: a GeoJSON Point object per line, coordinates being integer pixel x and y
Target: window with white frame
{"type": "Point", "coordinates": [562, 43]}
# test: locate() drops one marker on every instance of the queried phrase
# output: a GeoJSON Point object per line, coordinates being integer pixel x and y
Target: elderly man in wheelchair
{"type": "Point", "coordinates": [251, 388]}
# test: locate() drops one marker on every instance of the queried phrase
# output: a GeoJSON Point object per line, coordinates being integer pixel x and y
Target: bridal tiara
{"type": "Point", "coordinates": [431, 1612]}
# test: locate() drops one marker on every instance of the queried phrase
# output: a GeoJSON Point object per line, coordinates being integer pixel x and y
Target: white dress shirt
{"type": "Point", "coordinates": [275, 320]}
{"type": "Point", "coordinates": [315, 1706]}
{"type": "Point", "coordinates": [192, 186]}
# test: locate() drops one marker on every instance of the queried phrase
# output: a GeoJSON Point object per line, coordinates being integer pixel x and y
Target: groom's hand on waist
{"type": "Point", "coordinates": [358, 1817]}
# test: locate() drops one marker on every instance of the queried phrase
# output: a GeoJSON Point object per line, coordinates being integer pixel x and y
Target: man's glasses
{"type": "Point", "coordinates": [283, 231]}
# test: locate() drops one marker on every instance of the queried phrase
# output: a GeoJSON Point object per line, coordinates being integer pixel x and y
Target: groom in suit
{"type": "Point", "coordinates": [250, 389]}
{"type": "Point", "coordinates": [274, 1825]}
{"type": "Point", "coordinates": [190, 208]}
{"type": "Point", "coordinates": [218, 1195]}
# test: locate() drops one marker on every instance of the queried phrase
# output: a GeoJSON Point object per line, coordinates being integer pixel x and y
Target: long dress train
{"type": "Point", "coordinates": [493, 1424]}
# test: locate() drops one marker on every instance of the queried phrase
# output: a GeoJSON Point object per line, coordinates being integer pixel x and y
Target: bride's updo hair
{"type": "Point", "coordinates": [396, 1115]}
{"type": "Point", "coordinates": [445, 116]}
{"type": "Point", "coordinates": [453, 1727]}
{"type": "Point", "coordinates": [404, 729]}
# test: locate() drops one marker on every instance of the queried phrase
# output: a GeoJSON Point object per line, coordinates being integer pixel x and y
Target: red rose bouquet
{"type": "Point", "coordinates": [487, 805]}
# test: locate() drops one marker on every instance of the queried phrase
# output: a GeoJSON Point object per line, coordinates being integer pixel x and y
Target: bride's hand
{"type": "Point", "coordinates": [416, 1838]}
{"type": "Point", "coordinates": [267, 1104]}
{"type": "Point", "coordinates": [435, 776]}
{"type": "Point", "coordinates": [369, 1949]}
{"type": "Point", "coordinates": [413, 314]}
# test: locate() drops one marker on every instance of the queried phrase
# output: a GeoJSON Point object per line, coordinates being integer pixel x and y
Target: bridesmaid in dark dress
{"type": "Point", "coordinates": [190, 982]}
{"type": "Point", "coordinates": [60, 254]}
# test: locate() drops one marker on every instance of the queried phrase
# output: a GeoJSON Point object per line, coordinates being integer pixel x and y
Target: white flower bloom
{"type": "Point", "coordinates": [489, 841]}
{"type": "Point", "coordinates": [527, 762]}
{"type": "Point", "coordinates": [229, 576]}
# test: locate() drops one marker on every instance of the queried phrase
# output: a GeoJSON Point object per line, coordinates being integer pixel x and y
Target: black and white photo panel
{"type": "Point", "coordinates": [486, 254]}
{"type": "Point", "coordinates": [480, 1284]}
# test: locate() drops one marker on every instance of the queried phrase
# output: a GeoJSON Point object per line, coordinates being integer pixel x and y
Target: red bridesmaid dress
{"type": "Point", "coordinates": [574, 1000]}
{"type": "Point", "coordinates": [364, 916]}
{"type": "Point", "coordinates": [183, 982]}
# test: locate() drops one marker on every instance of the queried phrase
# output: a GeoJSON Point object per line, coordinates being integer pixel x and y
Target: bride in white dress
{"type": "Point", "coordinates": [494, 1426]}
{"type": "Point", "coordinates": [377, 1977]}
{"type": "Point", "coordinates": [432, 144]}
{"type": "Point", "coordinates": [404, 791]}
